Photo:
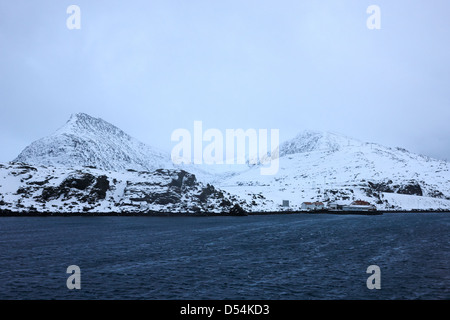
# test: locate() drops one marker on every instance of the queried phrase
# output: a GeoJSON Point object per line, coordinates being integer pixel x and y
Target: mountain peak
{"type": "Point", "coordinates": [88, 141]}
{"type": "Point", "coordinates": [81, 117]}
{"type": "Point", "coordinates": [82, 123]}
{"type": "Point", "coordinates": [314, 140]}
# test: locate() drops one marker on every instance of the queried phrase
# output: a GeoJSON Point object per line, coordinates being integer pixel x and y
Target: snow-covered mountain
{"type": "Point", "coordinates": [89, 141]}
{"type": "Point", "coordinates": [313, 166]}
{"type": "Point", "coordinates": [324, 166]}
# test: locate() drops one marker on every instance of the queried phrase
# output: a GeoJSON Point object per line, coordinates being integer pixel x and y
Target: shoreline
{"type": "Point", "coordinates": [7, 213]}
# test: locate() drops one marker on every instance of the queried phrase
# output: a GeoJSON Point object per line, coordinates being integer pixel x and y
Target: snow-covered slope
{"type": "Point", "coordinates": [89, 141]}
{"type": "Point", "coordinates": [25, 188]}
{"type": "Point", "coordinates": [310, 140]}
{"type": "Point", "coordinates": [327, 167]}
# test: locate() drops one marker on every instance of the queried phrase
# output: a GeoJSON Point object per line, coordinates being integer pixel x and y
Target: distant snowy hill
{"type": "Point", "coordinates": [89, 141]}
{"type": "Point", "coordinates": [329, 167]}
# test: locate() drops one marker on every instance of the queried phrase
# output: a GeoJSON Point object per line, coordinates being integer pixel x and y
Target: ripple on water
{"type": "Point", "coordinates": [257, 257]}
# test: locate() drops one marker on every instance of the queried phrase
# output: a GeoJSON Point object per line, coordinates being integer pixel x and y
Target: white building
{"type": "Point", "coordinates": [338, 204]}
{"type": "Point", "coordinates": [312, 206]}
{"type": "Point", "coordinates": [359, 206]}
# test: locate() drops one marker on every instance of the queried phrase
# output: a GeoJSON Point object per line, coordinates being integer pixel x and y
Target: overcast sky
{"type": "Point", "coordinates": [150, 67]}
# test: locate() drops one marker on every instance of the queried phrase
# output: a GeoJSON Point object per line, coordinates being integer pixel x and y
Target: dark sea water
{"type": "Point", "coordinates": [257, 257]}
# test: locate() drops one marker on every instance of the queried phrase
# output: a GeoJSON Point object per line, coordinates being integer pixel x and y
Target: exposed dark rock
{"type": "Point", "coordinates": [382, 186]}
{"type": "Point", "coordinates": [436, 194]}
{"type": "Point", "coordinates": [101, 187]}
{"type": "Point", "coordinates": [206, 192]}
{"type": "Point", "coordinates": [79, 182]}
{"type": "Point", "coordinates": [225, 203]}
{"type": "Point", "coordinates": [237, 210]}
{"type": "Point", "coordinates": [411, 189]}
{"type": "Point", "coordinates": [50, 193]}
{"type": "Point", "coordinates": [38, 183]}
{"type": "Point", "coordinates": [182, 180]}
{"type": "Point", "coordinates": [23, 190]}
{"type": "Point", "coordinates": [26, 167]}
